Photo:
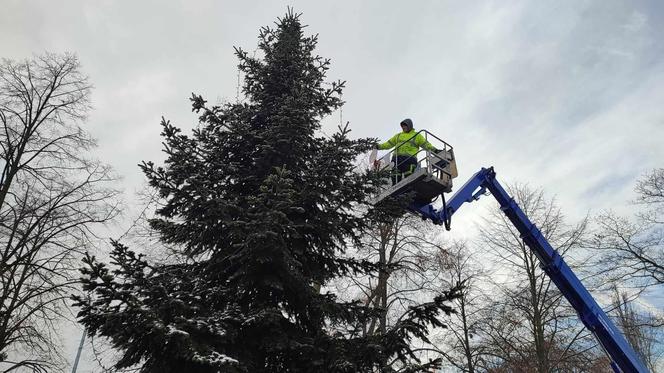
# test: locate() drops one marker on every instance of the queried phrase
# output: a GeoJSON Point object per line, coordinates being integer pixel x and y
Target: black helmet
{"type": "Point", "coordinates": [408, 123]}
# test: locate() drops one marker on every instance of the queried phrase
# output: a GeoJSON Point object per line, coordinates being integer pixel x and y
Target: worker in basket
{"type": "Point", "coordinates": [407, 144]}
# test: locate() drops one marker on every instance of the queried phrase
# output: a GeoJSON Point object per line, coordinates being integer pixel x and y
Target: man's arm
{"type": "Point", "coordinates": [424, 144]}
{"type": "Point", "coordinates": [389, 144]}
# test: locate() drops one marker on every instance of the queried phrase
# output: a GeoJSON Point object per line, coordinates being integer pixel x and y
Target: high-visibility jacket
{"type": "Point", "coordinates": [407, 142]}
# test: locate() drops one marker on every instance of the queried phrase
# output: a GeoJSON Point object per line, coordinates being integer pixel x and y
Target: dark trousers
{"type": "Point", "coordinates": [405, 165]}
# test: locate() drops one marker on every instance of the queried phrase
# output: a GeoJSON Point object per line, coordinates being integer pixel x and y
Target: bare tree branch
{"type": "Point", "coordinates": [51, 196]}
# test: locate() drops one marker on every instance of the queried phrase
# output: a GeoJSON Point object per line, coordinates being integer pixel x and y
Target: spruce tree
{"type": "Point", "coordinates": [262, 206]}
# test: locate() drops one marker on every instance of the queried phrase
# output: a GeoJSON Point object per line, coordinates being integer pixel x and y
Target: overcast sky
{"type": "Point", "coordinates": [564, 95]}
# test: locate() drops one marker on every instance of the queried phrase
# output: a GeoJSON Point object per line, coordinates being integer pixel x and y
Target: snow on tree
{"type": "Point", "coordinates": [263, 207]}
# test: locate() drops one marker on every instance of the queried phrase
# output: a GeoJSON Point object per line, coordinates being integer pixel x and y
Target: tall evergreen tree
{"type": "Point", "coordinates": [262, 206]}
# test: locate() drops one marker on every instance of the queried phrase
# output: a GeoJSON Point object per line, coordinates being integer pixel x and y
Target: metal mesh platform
{"type": "Point", "coordinates": [424, 186]}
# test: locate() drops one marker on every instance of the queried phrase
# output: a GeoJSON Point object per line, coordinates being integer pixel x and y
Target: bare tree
{"type": "Point", "coordinates": [632, 250]}
{"type": "Point", "coordinates": [405, 252]}
{"type": "Point", "coordinates": [530, 322]}
{"type": "Point", "coordinates": [462, 343]}
{"type": "Point", "coordinates": [650, 190]}
{"type": "Point", "coordinates": [637, 326]}
{"type": "Point", "coordinates": [51, 197]}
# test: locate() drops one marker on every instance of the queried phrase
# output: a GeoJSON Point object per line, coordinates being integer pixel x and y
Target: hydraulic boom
{"type": "Point", "coordinates": [624, 359]}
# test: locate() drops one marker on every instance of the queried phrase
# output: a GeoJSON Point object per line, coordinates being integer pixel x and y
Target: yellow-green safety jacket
{"type": "Point", "coordinates": [409, 143]}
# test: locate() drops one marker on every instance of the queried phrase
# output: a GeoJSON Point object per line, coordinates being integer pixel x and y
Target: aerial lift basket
{"type": "Point", "coordinates": [432, 176]}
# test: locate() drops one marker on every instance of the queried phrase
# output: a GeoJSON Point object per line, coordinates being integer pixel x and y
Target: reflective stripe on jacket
{"type": "Point", "coordinates": [408, 143]}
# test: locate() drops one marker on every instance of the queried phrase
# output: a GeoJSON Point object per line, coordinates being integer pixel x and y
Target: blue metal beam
{"type": "Point", "coordinates": [471, 191]}
{"type": "Point", "coordinates": [624, 359]}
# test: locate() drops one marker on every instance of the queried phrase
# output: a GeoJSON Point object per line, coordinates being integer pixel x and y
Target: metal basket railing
{"type": "Point", "coordinates": [435, 162]}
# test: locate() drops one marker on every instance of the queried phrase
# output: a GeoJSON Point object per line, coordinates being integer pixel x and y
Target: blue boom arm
{"type": "Point", "coordinates": [623, 357]}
